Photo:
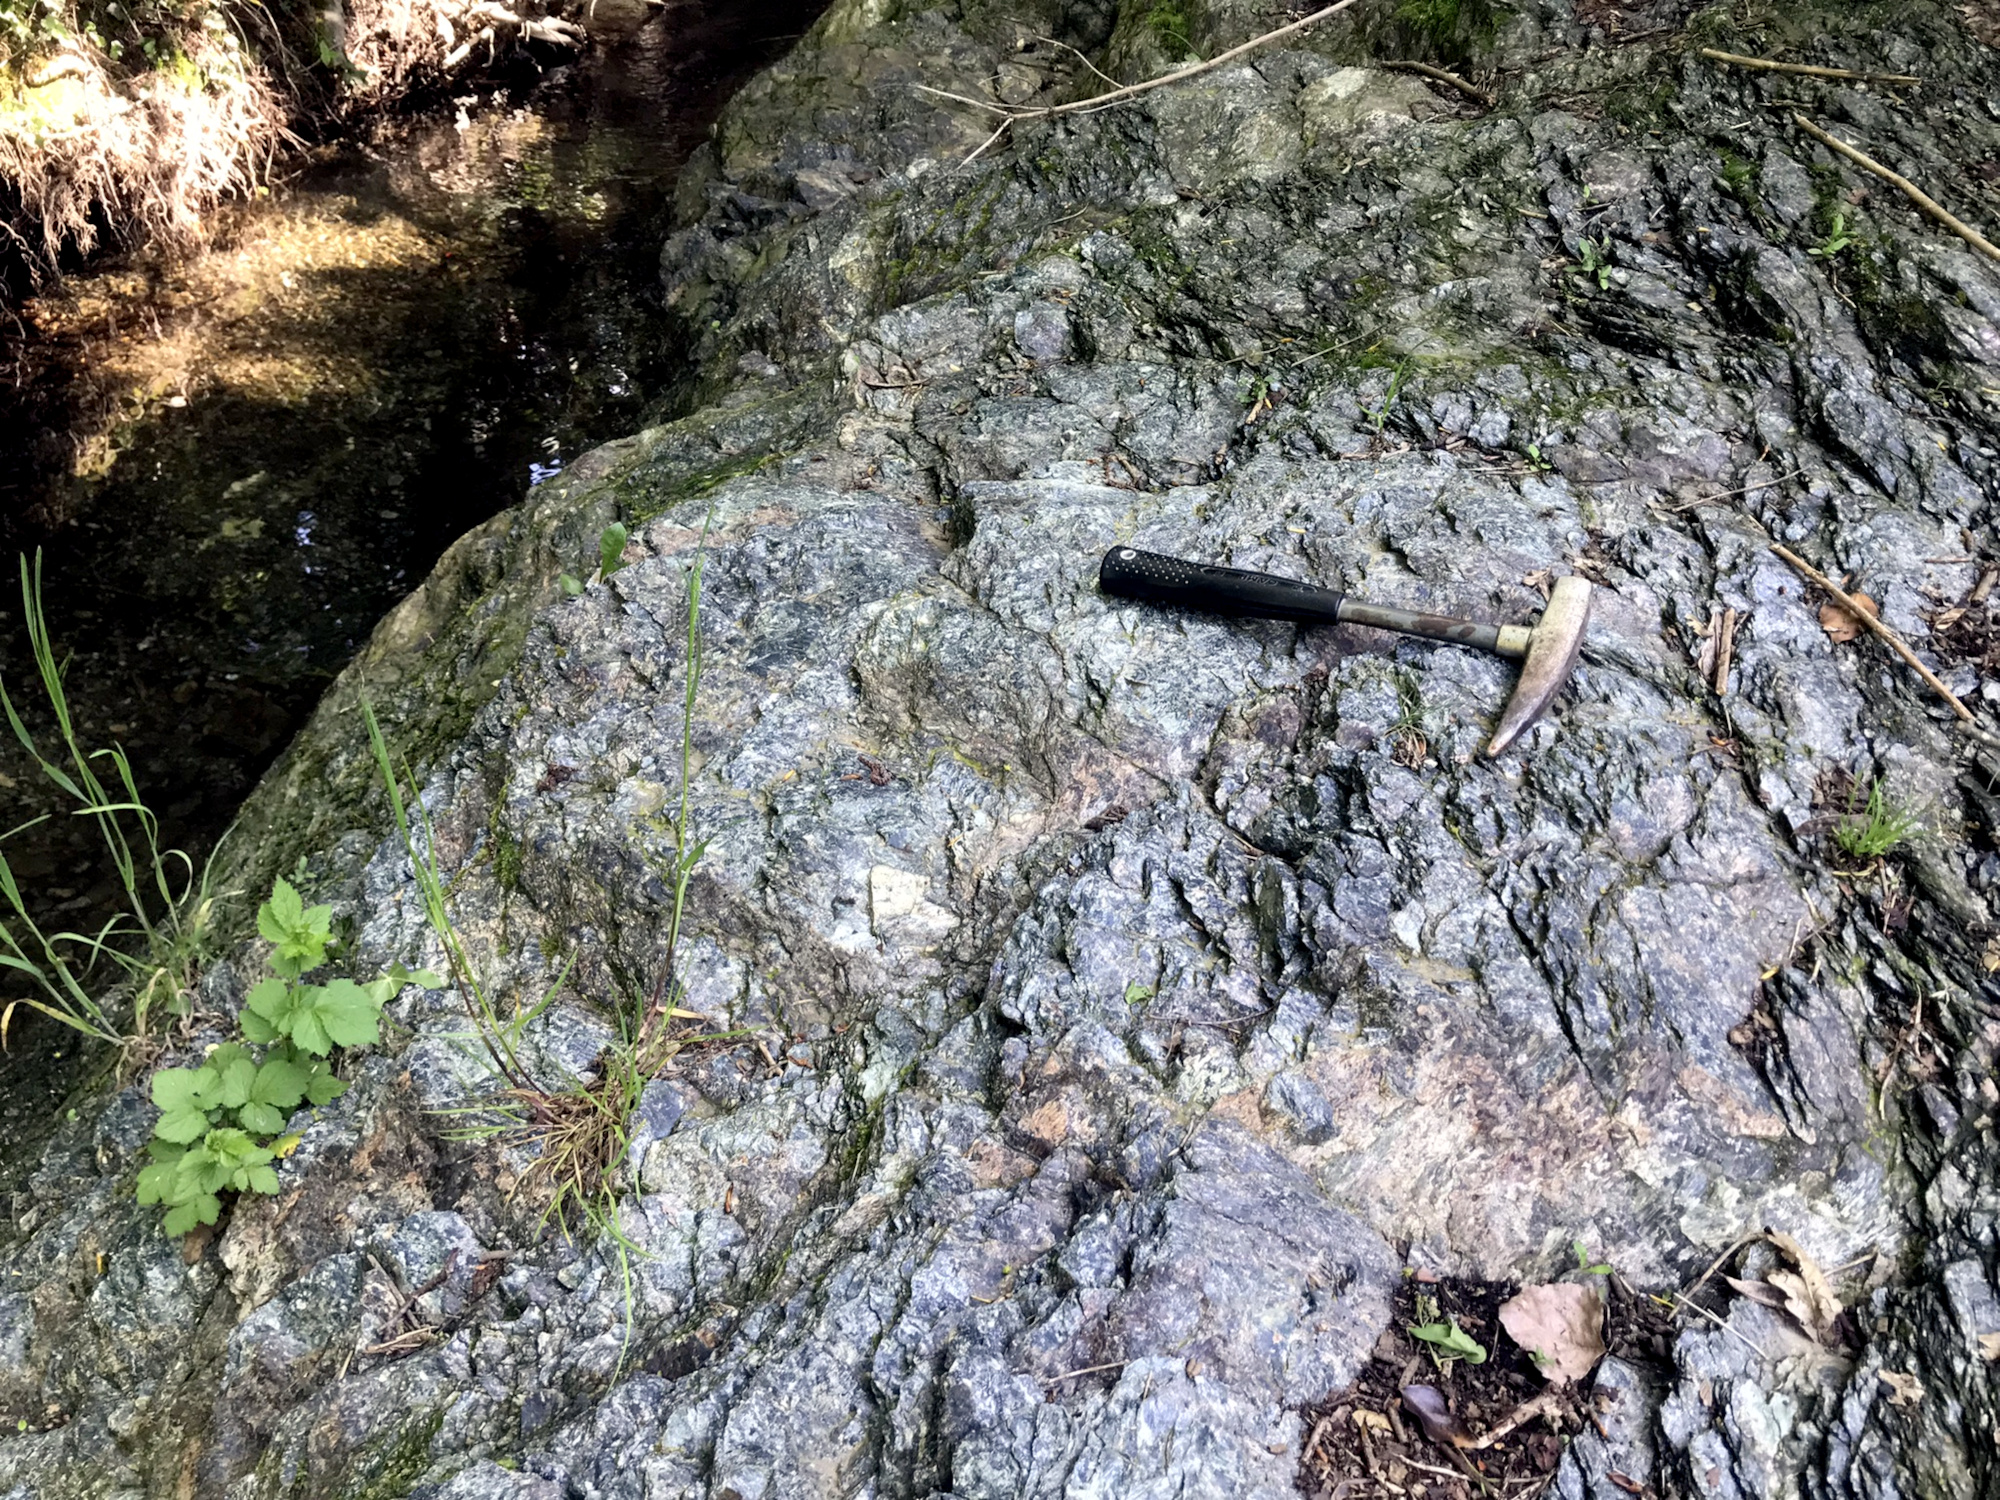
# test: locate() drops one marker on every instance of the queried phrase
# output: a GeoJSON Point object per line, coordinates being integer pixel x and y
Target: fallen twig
{"type": "Point", "coordinates": [1871, 622]}
{"type": "Point", "coordinates": [1725, 646]}
{"type": "Point", "coordinates": [1725, 1325]}
{"type": "Point", "coordinates": [1443, 77]}
{"type": "Point", "coordinates": [1116, 1364]}
{"type": "Point", "coordinates": [1679, 506]}
{"type": "Point", "coordinates": [1550, 1400]}
{"type": "Point", "coordinates": [1013, 114]}
{"type": "Point", "coordinates": [1767, 65]}
{"type": "Point", "coordinates": [1910, 190]}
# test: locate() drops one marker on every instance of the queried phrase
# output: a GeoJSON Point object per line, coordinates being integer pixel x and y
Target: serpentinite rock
{"type": "Point", "coordinates": [1127, 996]}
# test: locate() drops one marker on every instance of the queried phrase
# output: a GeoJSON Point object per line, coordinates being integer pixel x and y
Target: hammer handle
{"type": "Point", "coordinates": [1133, 574]}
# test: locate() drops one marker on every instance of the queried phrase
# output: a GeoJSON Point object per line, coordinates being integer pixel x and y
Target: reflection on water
{"type": "Point", "coordinates": [236, 465]}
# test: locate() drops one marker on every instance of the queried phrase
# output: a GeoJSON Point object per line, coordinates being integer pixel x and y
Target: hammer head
{"type": "Point", "coordinates": [1552, 648]}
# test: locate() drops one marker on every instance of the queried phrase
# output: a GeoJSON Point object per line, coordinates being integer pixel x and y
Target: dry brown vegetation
{"type": "Point", "coordinates": [134, 121]}
{"type": "Point", "coordinates": [85, 149]}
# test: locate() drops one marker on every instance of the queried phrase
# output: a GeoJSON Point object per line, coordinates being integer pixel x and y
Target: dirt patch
{"type": "Point", "coordinates": [1366, 1442]}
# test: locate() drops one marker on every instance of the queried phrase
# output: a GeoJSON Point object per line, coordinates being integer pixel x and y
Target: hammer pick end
{"type": "Point", "coordinates": [1552, 649]}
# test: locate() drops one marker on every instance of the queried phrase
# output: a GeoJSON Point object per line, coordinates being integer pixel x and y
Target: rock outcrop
{"type": "Point", "coordinates": [1126, 998]}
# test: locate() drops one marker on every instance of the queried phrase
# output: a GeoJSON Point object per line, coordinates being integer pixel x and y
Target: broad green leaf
{"type": "Point", "coordinates": [324, 1088]}
{"type": "Point", "coordinates": [280, 1082]}
{"type": "Point", "coordinates": [611, 548]}
{"type": "Point", "coordinates": [202, 1171]}
{"type": "Point", "coordinates": [349, 1013]}
{"type": "Point", "coordinates": [161, 1150]}
{"type": "Point", "coordinates": [308, 1034]}
{"type": "Point", "coordinates": [174, 1088]}
{"type": "Point", "coordinates": [261, 1118]}
{"type": "Point", "coordinates": [207, 1087]}
{"type": "Point", "coordinates": [255, 1027]}
{"type": "Point", "coordinates": [233, 1088]}
{"type": "Point", "coordinates": [277, 917]}
{"type": "Point", "coordinates": [182, 1126]}
{"type": "Point", "coordinates": [298, 934]}
{"type": "Point", "coordinates": [204, 1209]}
{"type": "Point", "coordinates": [271, 1000]}
{"type": "Point", "coordinates": [263, 1180]}
{"type": "Point", "coordinates": [156, 1182]}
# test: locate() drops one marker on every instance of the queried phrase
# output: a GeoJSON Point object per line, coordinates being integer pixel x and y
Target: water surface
{"type": "Point", "coordinates": [235, 464]}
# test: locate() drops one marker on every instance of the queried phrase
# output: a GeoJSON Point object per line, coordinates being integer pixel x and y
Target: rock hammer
{"type": "Point", "coordinates": [1550, 645]}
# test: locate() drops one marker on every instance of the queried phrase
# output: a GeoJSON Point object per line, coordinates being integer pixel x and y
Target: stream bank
{"type": "Point", "coordinates": [233, 463]}
{"type": "Point", "coordinates": [1138, 1002]}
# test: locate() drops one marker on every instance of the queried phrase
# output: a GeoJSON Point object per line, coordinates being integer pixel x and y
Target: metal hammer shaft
{"type": "Point", "coordinates": [1235, 591]}
{"type": "Point", "coordinates": [1550, 646]}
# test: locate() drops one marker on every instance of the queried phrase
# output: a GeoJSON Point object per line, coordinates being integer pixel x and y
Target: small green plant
{"type": "Point", "coordinates": [216, 1124]}
{"type": "Point", "coordinates": [1878, 829]}
{"type": "Point", "coordinates": [157, 942]}
{"type": "Point", "coordinates": [1594, 261]}
{"type": "Point", "coordinates": [1739, 179]}
{"type": "Point", "coordinates": [610, 556]}
{"type": "Point", "coordinates": [1837, 239]}
{"type": "Point", "coordinates": [579, 1129]}
{"type": "Point", "coordinates": [1449, 1341]}
{"type": "Point", "coordinates": [1584, 1263]}
{"type": "Point", "coordinates": [1380, 416]}
{"type": "Point", "coordinates": [1137, 993]}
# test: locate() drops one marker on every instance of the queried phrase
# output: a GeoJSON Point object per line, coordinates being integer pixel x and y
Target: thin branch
{"type": "Point", "coordinates": [1549, 1402]}
{"type": "Point", "coordinates": [1766, 65]}
{"type": "Point", "coordinates": [1442, 76]}
{"type": "Point", "coordinates": [1080, 58]}
{"type": "Point", "coordinates": [1914, 193]}
{"type": "Point", "coordinates": [1896, 642]}
{"type": "Point", "coordinates": [1013, 113]}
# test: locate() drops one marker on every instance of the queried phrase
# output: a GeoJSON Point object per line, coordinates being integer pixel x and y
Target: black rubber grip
{"type": "Point", "coordinates": [1133, 574]}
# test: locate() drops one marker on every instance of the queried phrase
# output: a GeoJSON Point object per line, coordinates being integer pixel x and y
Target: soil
{"type": "Point", "coordinates": [1350, 1455]}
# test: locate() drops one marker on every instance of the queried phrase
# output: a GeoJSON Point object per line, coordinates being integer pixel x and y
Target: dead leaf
{"type": "Point", "coordinates": [1904, 1390]}
{"type": "Point", "coordinates": [1808, 1294]}
{"type": "Point", "coordinates": [1758, 1291]}
{"type": "Point", "coordinates": [1441, 1425]}
{"type": "Point", "coordinates": [1562, 1325]}
{"type": "Point", "coordinates": [1840, 625]}
{"type": "Point", "coordinates": [1989, 1347]}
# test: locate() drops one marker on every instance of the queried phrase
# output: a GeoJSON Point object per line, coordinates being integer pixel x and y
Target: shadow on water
{"type": "Point", "coordinates": [234, 465]}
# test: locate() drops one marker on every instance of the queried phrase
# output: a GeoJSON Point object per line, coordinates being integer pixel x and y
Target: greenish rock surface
{"type": "Point", "coordinates": [1133, 995]}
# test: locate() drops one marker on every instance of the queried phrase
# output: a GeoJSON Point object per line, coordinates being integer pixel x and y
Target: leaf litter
{"type": "Point", "coordinates": [1441, 1428]}
{"type": "Point", "coordinates": [1561, 1325]}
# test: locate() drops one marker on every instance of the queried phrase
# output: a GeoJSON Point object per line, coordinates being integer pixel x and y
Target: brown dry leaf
{"type": "Point", "coordinates": [1989, 1347]}
{"type": "Point", "coordinates": [1562, 1325]}
{"type": "Point", "coordinates": [1839, 625]}
{"type": "Point", "coordinates": [1904, 1390]}
{"type": "Point", "coordinates": [1808, 1294]}
{"type": "Point", "coordinates": [1441, 1425]}
{"type": "Point", "coordinates": [1758, 1291]}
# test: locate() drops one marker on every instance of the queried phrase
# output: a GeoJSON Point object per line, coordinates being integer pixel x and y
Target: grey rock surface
{"type": "Point", "coordinates": [1120, 999]}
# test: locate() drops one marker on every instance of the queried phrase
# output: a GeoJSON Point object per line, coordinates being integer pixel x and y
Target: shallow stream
{"type": "Point", "coordinates": [234, 464]}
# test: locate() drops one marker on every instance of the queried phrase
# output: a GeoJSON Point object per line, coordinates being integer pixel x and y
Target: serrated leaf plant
{"type": "Point", "coordinates": [217, 1121]}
